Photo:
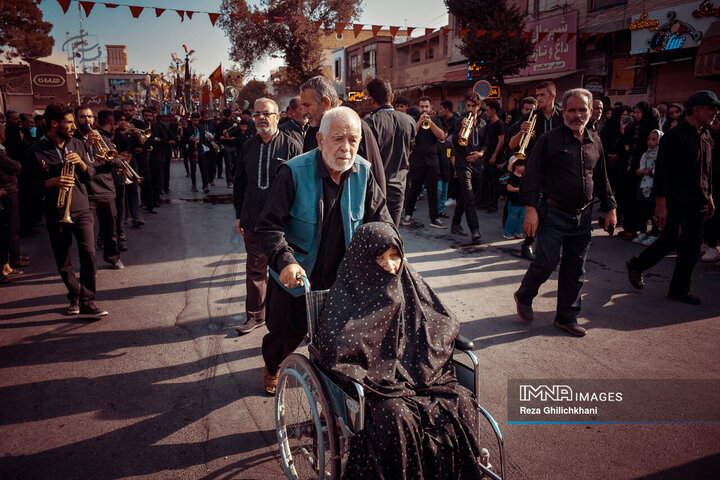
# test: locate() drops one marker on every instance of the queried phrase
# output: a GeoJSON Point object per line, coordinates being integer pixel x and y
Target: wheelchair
{"type": "Point", "coordinates": [315, 418]}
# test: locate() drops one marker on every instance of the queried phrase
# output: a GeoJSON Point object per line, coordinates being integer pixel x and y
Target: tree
{"type": "Point", "coordinates": [500, 56]}
{"type": "Point", "coordinates": [23, 33]}
{"type": "Point", "coordinates": [252, 91]}
{"type": "Point", "coordinates": [255, 34]}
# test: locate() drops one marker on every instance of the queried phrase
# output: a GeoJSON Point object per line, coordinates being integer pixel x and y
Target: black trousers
{"type": "Point", "coordinates": [286, 323]}
{"type": "Point", "coordinates": [228, 156]}
{"type": "Point", "coordinates": [146, 187]}
{"type": "Point", "coordinates": [166, 170]}
{"type": "Point", "coordinates": [559, 230]}
{"type": "Point", "coordinates": [683, 232]}
{"type": "Point", "coordinates": [12, 221]}
{"type": "Point", "coordinates": [61, 235]}
{"type": "Point", "coordinates": [469, 179]}
{"type": "Point", "coordinates": [157, 171]}
{"type": "Point", "coordinates": [211, 157]}
{"type": "Point", "coordinates": [120, 206]}
{"type": "Point", "coordinates": [395, 195]}
{"type": "Point", "coordinates": [257, 277]}
{"type": "Point", "coordinates": [106, 212]}
{"type": "Point", "coordinates": [201, 162]}
{"type": "Point", "coordinates": [419, 175]}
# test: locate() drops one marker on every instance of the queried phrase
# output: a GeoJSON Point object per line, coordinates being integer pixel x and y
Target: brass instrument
{"type": "Point", "coordinates": [65, 194]}
{"type": "Point", "coordinates": [136, 132]}
{"type": "Point", "coordinates": [525, 139]}
{"type": "Point", "coordinates": [464, 135]}
{"type": "Point", "coordinates": [103, 151]}
{"type": "Point", "coordinates": [425, 123]}
{"type": "Point", "coordinates": [129, 173]}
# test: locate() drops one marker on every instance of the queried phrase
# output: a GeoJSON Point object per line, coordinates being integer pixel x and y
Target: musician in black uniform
{"type": "Point", "coordinates": [138, 162]}
{"type": "Point", "coordinates": [46, 160]}
{"type": "Point", "coordinates": [160, 143]}
{"type": "Point", "coordinates": [197, 145]}
{"type": "Point", "coordinates": [228, 134]}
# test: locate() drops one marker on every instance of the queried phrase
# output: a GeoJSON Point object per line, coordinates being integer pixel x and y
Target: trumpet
{"type": "Point", "coordinates": [525, 139]}
{"type": "Point", "coordinates": [136, 132]}
{"type": "Point", "coordinates": [129, 173]}
{"type": "Point", "coordinates": [103, 151]}
{"type": "Point", "coordinates": [425, 123]}
{"type": "Point", "coordinates": [65, 194]}
{"type": "Point", "coordinates": [464, 136]}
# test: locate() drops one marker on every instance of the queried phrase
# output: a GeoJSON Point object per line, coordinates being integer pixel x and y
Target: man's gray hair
{"type": "Point", "coordinates": [322, 88]}
{"type": "Point", "coordinates": [578, 92]}
{"type": "Point", "coordinates": [267, 100]}
{"type": "Point", "coordinates": [338, 113]}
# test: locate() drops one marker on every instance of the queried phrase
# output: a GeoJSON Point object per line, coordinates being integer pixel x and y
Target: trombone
{"type": "Point", "coordinates": [65, 194]}
{"type": "Point", "coordinates": [129, 173]}
{"type": "Point", "coordinates": [525, 138]}
{"type": "Point", "coordinates": [464, 136]}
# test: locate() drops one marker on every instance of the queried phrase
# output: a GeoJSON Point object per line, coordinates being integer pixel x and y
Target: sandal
{"type": "Point", "coordinates": [269, 381]}
{"type": "Point", "coordinates": [22, 262]}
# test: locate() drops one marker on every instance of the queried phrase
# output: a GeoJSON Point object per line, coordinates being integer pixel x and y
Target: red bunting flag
{"type": "Point", "coordinates": [570, 36]}
{"type": "Point", "coordinates": [496, 34]}
{"type": "Point", "coordinates": [428, 31]}
{"type": "Point", "coordinates": [527, 36]}
{"type": "Point", "coordinates": [111, 5]}
{"type": "Point", "coordinates": [463, 32]}
{"type": "Point", "coordinates": [159, 11]}
{"type": "Point", "coordinates": [556, 36]}
{"type": "Point", "coordinates": [87, 6]}
{"type": "Point", "coordinates": [586, 37]}
{"type": "Point", "coordinates": [599, 37]}
{"type": "Point", "coordinates": [278, 19]}
{"type": "Point", "coordinates": [318, 24]}
{"type": "Point", "coordinates": [394, 31]}
{"type": "Point", "coordinates": [512, 34]}
{"type": "Point", "coordinates": [339, 27]}
{"type": "Point", "coordinates": [480, 33]}
{"type": "Point", "coordinates": [64, 4]}
{"type": "Point", "coordinates": [213, 18]}
{"type": "Point", "coordinates": [136, 11]}
{"type": "Point", "coordinates": [445, 31]}
{"type": "Point", "coordinates": [357, 28]}
{"type": "Point", "coordinates": [376, 29]}
{"type": "Point", "coordinates": [182, 15]}
{"type": "Point", "coordinates": [541, 36]}
{"type": "Point", "coordinates": [258, 19]}
{"type": "Point", "coordinates": [189, 14]}
{"type": "Point", "coordinates": [410, 30]}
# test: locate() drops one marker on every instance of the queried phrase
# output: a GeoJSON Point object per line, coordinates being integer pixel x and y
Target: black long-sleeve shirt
{"type": "Point", "coordinates": [273, 221]}
{"type": "Point", "coordinates": [294, 130]}
{"type": "Point", "coordinates": [45, 161]}
{"type": "Point", "coordinates": [257, 166]}
{"type": "Point", "coordinates": [683, 169]}
{"type": "Point", "coordinates": [477, 142]}
{"type": "Point", "coordinates": [103, 183]}
{"type": "Point", "coordinates": [395, 135]}
{"type": "Point", "coordinates": [9, 171]}
{"type": "Point", "coordinates": [561, 168]}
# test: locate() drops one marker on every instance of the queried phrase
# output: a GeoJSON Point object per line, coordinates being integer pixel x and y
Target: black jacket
{"type": "Point", "coordinates": [9, 171]}
{"type": "Point", "coordinates": [395, 135]}
{"type": "Point", "coordinates": [293, 129]}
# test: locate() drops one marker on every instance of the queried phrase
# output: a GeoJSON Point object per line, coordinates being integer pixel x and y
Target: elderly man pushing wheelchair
{"type": "Point", "coordinates": [318, 200]}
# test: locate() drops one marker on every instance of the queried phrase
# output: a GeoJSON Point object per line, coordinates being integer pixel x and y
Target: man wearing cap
{"type": "Point", "coordinates": [683, 196]}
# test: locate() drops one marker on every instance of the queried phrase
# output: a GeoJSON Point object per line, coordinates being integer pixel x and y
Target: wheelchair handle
{"type": "Point", "coordinates": [305, 281]}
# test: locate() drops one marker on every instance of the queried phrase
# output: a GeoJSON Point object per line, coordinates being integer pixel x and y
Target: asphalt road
{"type": "Point", "coordinates": [164, 388]}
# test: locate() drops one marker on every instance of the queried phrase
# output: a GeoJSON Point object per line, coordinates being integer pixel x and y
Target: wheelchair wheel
{"type": "Point", "coordinates": [305, 423]}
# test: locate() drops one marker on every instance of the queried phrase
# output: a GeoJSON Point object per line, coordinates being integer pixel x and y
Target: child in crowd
{"type": "Point", "coordinates": [646, 199]}
{"type": "Point", "coordinates": [516, 211]}
{"type": "Point", "coordinates": [445, 156]}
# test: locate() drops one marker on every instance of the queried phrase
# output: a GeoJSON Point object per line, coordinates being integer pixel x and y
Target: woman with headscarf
{"type": "Point", "coordinates": [384, 327]}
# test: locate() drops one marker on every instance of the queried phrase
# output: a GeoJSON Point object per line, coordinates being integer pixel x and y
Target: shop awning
{"type": "Point", "coordinates": [707, 61]}
{"type": "Point", "coordinates": [537, 78]}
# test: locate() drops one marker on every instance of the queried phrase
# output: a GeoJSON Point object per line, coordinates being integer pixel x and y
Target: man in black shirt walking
{"type": "Point", "coordinates": [296, 125]}
{"type": "Point", "coordinates": [563, 166]}
{"type": "Point", "coordinates": [258, 162]}
{"type": "Point", "coordinates": [683, 196]}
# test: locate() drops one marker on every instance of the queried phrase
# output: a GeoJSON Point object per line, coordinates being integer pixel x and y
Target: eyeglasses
{"type": "Point", "coordinates": [263, 114]}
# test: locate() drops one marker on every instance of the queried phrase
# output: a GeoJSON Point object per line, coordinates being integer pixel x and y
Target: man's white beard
{"type": "Point", "coordinates": [265, 130]}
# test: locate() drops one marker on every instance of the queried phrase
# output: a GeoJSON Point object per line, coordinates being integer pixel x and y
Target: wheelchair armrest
{"type": "Point", "coordinates": [463, 343]}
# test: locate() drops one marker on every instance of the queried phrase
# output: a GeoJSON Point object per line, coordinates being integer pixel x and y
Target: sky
{"type": "Point", "coordinates": [151, 40]}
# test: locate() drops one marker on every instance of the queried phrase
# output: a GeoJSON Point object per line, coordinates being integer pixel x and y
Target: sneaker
{"type": "Point", "coordinates": [450, 203]}
{"type": "Point", "coordinates": [524, 312]}
{"type": "Point", "coordinates": [118, 264]}
{"type": "Point", "coordinates": [649, 240]}
{"type": "Point", "coordinates": [572, 327]}
{"type": "Point", "coordinates": [406, 220]}
{"type": "Point", "coordinates": [508, 237]}
{"type": "Point", "coordinates": [527, 251]}
{"type": "Point", "coordinates": [476, 237]}
{"type": "Point", "coordinates": [206, 190]}
{"type": "Point", "coordinates": [635, 277]}
{"type": "Point", "coordinates": [640, 238]}
{"type": "Point", "coordinates": [92, 310]}
{"type": "Point", "coordinates": [193, 189]}
{"type": "Point", "coordinates": [249, 326]}
{"type": "Point", "coordinates": [437, 223]}
{"type": "Point", "coordinates": [710, 255]}
{"type": "Point", "coordinates": [74, 307]}
{"type": "Point", "coordinates": [138, 222]}
{"type": "Point", "coordinates": [457, 230]}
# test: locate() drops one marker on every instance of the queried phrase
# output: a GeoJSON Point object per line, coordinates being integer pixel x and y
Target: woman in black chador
{"type": "Point", "coordinates": [384, 328]}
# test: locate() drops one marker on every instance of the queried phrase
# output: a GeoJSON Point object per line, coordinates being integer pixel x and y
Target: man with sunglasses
{"type": "Point", "coordinates": [257, 166]}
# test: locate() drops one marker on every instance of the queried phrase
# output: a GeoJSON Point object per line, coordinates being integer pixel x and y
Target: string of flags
{"type": "Point", "coordinates": [339, 27]}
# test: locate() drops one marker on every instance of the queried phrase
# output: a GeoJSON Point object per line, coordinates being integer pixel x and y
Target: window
{"type": "Point", "coordinates": [369, 59]}
{"type": "Point", "coordinates": [431, 52]}
{"type": "Point", "coordinates": [354, 65]}
{"type": "Point", "coordinates": [338, 70]}
{"type": "Point", "coordinates": [415, 56]}
{"type": "Point", "coordinates": [598, 5]}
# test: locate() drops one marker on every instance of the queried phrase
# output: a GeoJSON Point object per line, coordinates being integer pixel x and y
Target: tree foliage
{"type": "Point", "coordinates": [500, 56]}
{"type": "Point", "coordinates": [295, 37]}
{"type": "Point", "coordinates": [253, 90]}
{"type": "Point", "coordinates": [23, 33]}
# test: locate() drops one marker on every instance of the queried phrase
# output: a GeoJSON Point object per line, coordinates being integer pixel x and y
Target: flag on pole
{"type": "Point", "coordinates": [216, 80]}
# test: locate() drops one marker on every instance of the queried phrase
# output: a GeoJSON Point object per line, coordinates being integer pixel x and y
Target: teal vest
{"type": "Point", "coordinates": [305, 223]}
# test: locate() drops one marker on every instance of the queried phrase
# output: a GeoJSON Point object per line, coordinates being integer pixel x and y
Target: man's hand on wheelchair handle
{"type": "Point", "coordinates": [290, 275]}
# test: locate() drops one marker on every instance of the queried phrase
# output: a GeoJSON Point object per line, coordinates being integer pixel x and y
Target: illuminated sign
{"type": "Point", "coordinates": [706, 9]}
{"type": "Point", "coordinates": [641, 23]}
{"type": "Point", "coordinates": [672, 28]}
{"type": "Point", "coordinates": [356, 96]}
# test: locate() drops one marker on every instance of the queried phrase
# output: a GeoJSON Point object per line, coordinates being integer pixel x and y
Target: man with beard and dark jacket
{"type": "Point", "coordinates": [258, 162]}
{"type": "Point", "coordinates": [549, 117]}
{"type": "Point", "coordinates": [395, 134]}
{"type": "Point", "coordinates": [47, 158]}
{"type": "Point", "coordinates": [297, 122]}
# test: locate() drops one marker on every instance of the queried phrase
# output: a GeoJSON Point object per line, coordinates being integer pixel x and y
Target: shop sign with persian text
{"type": "Point", "coordinates": [553, 52]}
